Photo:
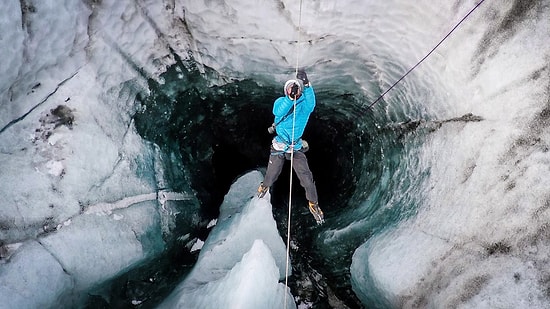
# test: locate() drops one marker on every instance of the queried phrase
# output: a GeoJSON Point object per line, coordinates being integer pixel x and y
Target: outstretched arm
{"type": "Point", "coordinates": [308, 93]}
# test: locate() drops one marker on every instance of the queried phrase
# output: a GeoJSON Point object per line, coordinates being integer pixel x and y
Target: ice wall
{"type": "Point", "coordinates": [59, 161]}
{"type": "Point", "coordinates": [478, 239]}
{"type": "Point", "coordinates": [84, 198]}
{"type": "Point", "coordinates": [480, 233]}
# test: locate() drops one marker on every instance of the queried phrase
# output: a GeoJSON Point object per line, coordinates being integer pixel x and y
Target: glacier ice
{"type": "Point", "coordinates": [475, 240]}
{"type": "Point", "coordinates": [33, 278]}
{"type": "Point", "coordinates": [60, 179]}
{"type": "Point", "coordinates": [242, 260]}
{"type": "Point", "coordinates": [451, 214]}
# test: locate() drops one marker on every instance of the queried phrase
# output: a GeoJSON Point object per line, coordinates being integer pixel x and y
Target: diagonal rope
{"type": "Point", "coordinates": [292, 161]}
{"type": "Point", "coordinates": [428, 54]}
{"type": "Point", "coordinates": [369, 106]}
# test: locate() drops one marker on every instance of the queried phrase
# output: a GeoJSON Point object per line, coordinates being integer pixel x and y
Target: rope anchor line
{"type": "Point", "coordinates": [369, 107]}
{"type": "Point", "coordinates": [427, 55]}
{"type": "Point", "coordinates": [292, 161]}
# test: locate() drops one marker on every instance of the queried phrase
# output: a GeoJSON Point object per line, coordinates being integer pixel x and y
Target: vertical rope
{"type": "Point", "coordinates": [298, 41]}
{"type": "Point", "coordinates": [292, 160]}
{"type": "Point", "coordinates": [289, 205]}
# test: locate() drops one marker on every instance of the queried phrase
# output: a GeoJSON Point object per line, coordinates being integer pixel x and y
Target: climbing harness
{"type": "Point", "coordinates": [428, 54]}
{"type": "Point", "coordinates": [292, 159]}
{"type": "Point", "coordinates": [278, 148]}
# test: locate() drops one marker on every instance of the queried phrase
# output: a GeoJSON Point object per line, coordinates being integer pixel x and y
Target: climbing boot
{"type": "Point", "coordinates": [316, 212]}
{"type": "Point", "coordinates": [262, 190]}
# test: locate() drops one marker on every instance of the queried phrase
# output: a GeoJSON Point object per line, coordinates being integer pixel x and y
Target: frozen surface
{"type": "Point", "coordinates": [82, 252]}
{"type": "Point", "coordinates": [33, 278]}
{"type": "Point", "coordinates": [58, 164]}
{"type": "Point", "coordinates": [84, 197]}
{"type": "Point", "coordinates": [476, 241]}
{"type": "Point", "coordinates": [251, 283]}
{"type": "Point", "coordinates": [242, 259]}
{"type": "Point", "coordinates": [85, 179]}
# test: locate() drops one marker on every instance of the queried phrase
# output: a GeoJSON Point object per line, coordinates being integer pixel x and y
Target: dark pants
{"type": "Point", "coordinates": [275, 166]}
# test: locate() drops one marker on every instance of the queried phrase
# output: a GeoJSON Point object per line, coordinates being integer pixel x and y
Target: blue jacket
{"type": "Point", "coordinates": [304, 106]}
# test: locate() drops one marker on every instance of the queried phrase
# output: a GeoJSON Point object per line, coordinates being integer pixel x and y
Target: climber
{"type": "Point", "coordinates": [299, 98]}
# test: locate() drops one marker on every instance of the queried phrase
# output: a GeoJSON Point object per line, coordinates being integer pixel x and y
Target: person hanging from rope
{"type": "Point", "coordinates": [300, 99]}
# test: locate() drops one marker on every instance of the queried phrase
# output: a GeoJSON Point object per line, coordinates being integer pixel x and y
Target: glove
{"type": "Point", "coordinates": [301, 75]}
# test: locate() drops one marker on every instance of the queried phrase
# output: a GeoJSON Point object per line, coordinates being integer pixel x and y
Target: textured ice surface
{"type": "Point", "coordinates": [481, 224]}
{"type": "Point", "coordinates": [242, 259]}
{"type": "Point", "coordinates": [77, 57]}
{"type": "Point", "coordinates": [485, 200]}
{"type": "Point", "coordinates": [33, 278]}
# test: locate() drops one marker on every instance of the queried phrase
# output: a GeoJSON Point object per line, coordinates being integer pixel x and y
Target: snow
{"type": "Point", "coordinates": [10, 18]}
{"type": "Point", "coordinates": [85, 250]}
{"type": "Point", "coordinates": [93, 247]}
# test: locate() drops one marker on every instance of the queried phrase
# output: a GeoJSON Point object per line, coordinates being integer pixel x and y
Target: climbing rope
{"type": "Point", "coordinates": [369, 106]}
{"type": "Point", "coordinates": [292, 159]}
{"type": "Point", "coordinates": [427, 55]}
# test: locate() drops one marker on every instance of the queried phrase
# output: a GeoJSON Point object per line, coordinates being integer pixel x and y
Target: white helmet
{"type": "Point", "coordinates": [288, 88]}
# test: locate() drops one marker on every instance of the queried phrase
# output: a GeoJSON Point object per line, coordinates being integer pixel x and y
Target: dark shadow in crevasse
{"type": "Point", "coordinates": [221, 133]}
